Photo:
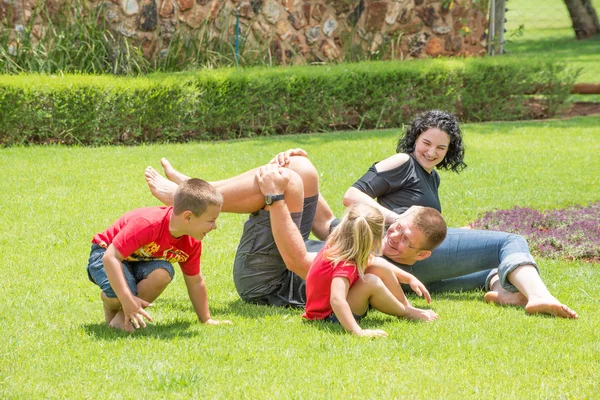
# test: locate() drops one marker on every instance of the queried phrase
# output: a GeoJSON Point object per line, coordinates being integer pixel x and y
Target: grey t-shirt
{"type": "Point", "coordinates": [402, 187]}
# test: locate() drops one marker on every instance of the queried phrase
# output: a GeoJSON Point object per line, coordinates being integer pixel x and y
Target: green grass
{"type": "Point", "coordinates": [55, 343]}
{"type": "Point", "coordinates": [548, 33]}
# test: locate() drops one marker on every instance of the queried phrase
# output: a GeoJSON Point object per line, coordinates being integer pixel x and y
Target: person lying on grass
{"type": "Point", "coordinates": [467, 259]}
{"type": "Point", "coordinates": [274, 254]}
{"type": "Point", "coordinates": [131, 260]}
{"type": "Point", "coordinates": [340, 286]}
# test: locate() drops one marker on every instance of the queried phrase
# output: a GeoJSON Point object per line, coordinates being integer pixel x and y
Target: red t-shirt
{"type": "Point", "coordinates": [318, 285]}
{"type": "Point", "coordinates": [143, 235]}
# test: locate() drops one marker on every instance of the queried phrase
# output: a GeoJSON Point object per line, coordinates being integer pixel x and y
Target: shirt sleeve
{"type": "Point", "coordinates": [345, 271]}
{"type": "Point", "coordinates": [192, 266]}
{"type": "Point", "coordinates": [134, 235]}
{"type": "Point", "coordinates": [376, 184]}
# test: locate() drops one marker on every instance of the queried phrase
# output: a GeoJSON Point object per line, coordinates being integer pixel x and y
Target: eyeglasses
{"type": "Point", "coordinates": [399, 229]}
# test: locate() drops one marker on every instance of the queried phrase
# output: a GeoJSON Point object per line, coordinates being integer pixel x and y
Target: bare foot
{"type": "Point", "coordinates": [108, 314]}
{"type": "Point", "coordinates": [549, 305]}
{"type": "Point", "coordinates": [161, 188]}
{"type": "Point", "coordinates": [172, 174]}
{"type": "Point", "coordinates": [421, 315]}
{"type": "Point", "coordinates": [502, 296]}
{"type": "Point", "coordinates": [118, 322]}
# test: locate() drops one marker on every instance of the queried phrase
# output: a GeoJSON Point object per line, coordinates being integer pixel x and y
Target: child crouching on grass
{"type": "Point", "coordinates": [131, 260]}
{"type": "Point", "coordinates": [340, 285]}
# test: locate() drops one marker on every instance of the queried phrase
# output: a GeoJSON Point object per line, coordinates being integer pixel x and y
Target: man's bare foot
{"type": "Point", "coordinates": [161, 188]}
{"type": "Point", "coordinates": [505, 297]}
{"type": "Point", "coordinates": [549, 305]}
{"type": "Point", "coordinates": [421, 315]}
{"type": "Point", "coordinates": [118, 322]}
{"type": "Point", "coordinates": [172, 174]}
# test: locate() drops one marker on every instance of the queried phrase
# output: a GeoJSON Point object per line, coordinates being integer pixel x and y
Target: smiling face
{"type": "Point", "coordinates": [198, 227]}
{"type": "Point", "coordinates": [404, 242]}
{"type": "Point", "coordinates": [431, 147]}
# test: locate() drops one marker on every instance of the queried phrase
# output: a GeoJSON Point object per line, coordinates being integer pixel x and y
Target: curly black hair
{"type": "Point", "coordinates": [443, 121]}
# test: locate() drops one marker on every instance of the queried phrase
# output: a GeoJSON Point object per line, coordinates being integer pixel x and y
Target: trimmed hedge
{"type": "Point", "coordinates": [234, 103]}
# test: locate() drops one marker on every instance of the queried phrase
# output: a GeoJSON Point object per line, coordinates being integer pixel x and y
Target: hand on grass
{"type": "Point", "coordinates": [371, 333]}
{"type": "Point", "coordinates": [134, 313]}
{"type": "Point", "coordinates": [211, 321]}
{"type": "Point", "coordinates": [283, 159]}
{"type": "Point", "coordinates": [419, 289]}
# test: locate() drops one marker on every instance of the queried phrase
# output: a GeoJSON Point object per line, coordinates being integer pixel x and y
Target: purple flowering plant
{"type": "Point", "coordinates": [569, 233]}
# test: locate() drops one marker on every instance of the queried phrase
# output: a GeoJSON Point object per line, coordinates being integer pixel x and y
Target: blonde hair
{"type": "Point", "coordinates": [358, 235]}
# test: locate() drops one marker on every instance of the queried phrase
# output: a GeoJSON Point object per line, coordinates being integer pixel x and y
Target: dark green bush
{"type": "Point", "coordinates": [234, 103]}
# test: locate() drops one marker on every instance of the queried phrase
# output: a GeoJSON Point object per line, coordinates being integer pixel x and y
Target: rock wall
{"type": "Point", "coordinates": [287, 31]}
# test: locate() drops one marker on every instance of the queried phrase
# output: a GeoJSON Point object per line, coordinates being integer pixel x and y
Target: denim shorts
{"type": "Point", "coordinates": [134, 272]}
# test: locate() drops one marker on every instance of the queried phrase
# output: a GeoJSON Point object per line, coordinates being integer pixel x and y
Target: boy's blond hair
{"type": "Point", "coordinates": [195, 195]}
{"type": "Point", "coordinates": [358, 235]}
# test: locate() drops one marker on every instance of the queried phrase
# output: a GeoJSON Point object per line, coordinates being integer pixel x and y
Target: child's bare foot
{"type": "Point", "coordinates": [502, 296]}
{"type": "Point", "coordinates": [161, 188]}
{"type": "Point", "coordinates": [108, 314]}
{"type": "Point", "coordinates": [172, 174]}
{"type": "Point", "coordinates": [421, 315]}
{"type": "Point", "coordinates": [118, 322]}
{"type": "Point", "coordinates": [549, 305]}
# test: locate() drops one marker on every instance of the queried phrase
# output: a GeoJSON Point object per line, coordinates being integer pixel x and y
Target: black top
{"type": "Point", "coordinates": [402, 187]}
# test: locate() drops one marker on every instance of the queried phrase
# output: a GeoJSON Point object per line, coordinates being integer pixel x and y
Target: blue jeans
{"type": "Point", "coordinates": [468, 259]}
{"type": "Point", "coordinates": [134, 272]}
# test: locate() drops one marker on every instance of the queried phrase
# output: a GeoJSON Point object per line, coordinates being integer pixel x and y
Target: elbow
{"type": "Point", "coordinates": [299, 268]}
{"type": "Point", "coordinates": [349, 197]}
{"type": "Point", "coordinates": [336, 301]}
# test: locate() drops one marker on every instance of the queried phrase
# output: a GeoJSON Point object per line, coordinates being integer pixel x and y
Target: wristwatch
{"type": "Point", "coordinates": [272, 198]}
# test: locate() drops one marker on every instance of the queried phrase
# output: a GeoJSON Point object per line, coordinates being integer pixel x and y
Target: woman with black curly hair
{"type": "Point", "coordinates": [408, 178]}
{"type": "Point", "coordinates": [468, 259]}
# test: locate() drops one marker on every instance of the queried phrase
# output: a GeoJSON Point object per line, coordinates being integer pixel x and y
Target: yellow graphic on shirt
{"type": "Point", "coordinates": [151, 252]}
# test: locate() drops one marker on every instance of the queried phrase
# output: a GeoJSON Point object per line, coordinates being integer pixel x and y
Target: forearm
{"type": "Point", "coordinates": [342, 311]}
{"type": "Point", "coordinates": [114, 272]}
{"type": "Point", "coordinates": [399, 273]}
{"type": "Point", "coordinates": [288, 239]}
{"type": "Point", "coordinates": [353, 196]}
{"type": "Point", "coordinates": [198, 294]}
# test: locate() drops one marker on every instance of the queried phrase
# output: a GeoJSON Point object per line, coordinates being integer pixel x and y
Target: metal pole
{"type": "Point", "coordinates": [499, 25]}
{"type": "Point", "coordinates": [492, 27]}
{"type": "Point", "coordinates": [237, 37]}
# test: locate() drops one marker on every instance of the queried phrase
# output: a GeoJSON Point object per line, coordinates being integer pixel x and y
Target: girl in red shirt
{"type": "Point", "coordinates": [340, 286]}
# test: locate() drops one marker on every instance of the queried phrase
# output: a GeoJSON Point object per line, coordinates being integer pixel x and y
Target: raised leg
{"type": "Point", "coordinates": [241, 193]}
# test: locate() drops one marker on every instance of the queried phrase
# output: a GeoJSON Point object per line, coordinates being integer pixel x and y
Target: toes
{"type": "Point", "coordinates": [491, 297]}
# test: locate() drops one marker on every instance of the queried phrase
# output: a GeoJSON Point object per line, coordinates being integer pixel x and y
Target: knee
{"type": "Point", "coordinates": [160, 277]}
{"type": "Point", "coordinates": [516, 242]}
{"type": "Point", "coordinates": [373, 281]}
{"type": "Point", "coordinates": [295, 185]}
{"type": "Point", "coordinates": [307, 171]}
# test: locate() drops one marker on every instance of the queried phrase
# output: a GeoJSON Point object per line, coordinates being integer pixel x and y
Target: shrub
{"type": "Point", "coordinates": [233, 103]}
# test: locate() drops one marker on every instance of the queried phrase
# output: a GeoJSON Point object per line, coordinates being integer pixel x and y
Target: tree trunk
{"type": "Point", "coordinates": [584, 17]}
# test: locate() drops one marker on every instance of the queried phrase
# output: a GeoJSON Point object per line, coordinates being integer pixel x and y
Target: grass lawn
{"type": "Point", "coordinates": [55, 343]}
{"type": "Point", "coordinates": [548, 33]}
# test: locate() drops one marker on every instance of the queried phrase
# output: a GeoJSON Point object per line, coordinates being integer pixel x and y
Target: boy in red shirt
{"type": "Point", "coordinates": [131, 260]}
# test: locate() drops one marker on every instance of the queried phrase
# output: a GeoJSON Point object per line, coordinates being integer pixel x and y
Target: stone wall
{"type": "Point", "coordinates": [289, 31]}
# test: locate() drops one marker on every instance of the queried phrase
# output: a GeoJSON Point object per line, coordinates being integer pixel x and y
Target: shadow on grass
{"type": "Point", "coordinates": [237, 307]}
{"type": "Point", "coordinates": [169, 330]}
{"type": "Point", "coordinates": [555, 47]}
{"type": "Point", "coordinates": [373, 320]}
